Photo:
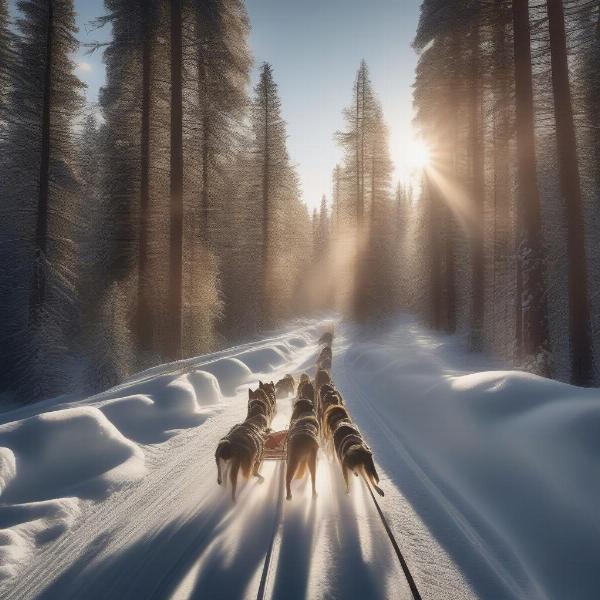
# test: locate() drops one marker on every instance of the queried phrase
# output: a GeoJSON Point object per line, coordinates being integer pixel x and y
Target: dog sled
{"type": "Point", "coordinates": [276, 445]}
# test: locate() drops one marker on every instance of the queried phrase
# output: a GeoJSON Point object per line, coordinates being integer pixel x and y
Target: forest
{"type": "Point", "coordinates": [169, 221]}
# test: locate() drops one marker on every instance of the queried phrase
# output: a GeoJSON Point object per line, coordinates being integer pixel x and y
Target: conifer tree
{"type": "Point", "coordinates": [570, 186]}
{"type": "Point", "coordinates": [40, 213]}
{"type": "Point", "coordinates": [531, 289]}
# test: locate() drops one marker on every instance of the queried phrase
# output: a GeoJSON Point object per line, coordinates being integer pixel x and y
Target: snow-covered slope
{"type": "Point", "coordinates": [490, 479]}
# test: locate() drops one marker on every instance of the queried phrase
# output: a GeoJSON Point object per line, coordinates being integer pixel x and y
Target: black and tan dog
{"type": "Point", "coordinates": [243, 448]}
{"type": "Point", "coordinates": [259, 403]}
{"type": "Point", "coordinates": [331, 417]}
{"type": "Point", "coordinates": [328, 396]}
{"type": "Point", "coordinates": [304, 378]}
{"type": "Point", "coordinates": [326, 352]}
{"type": "Point", "coordinates": [265, 391]}
{"type": "Point", "coordinates": [285, 387]}
{"type": "Point", "coordinates": [269, 389]}
{"type": "Point", "coordinates": [326, 338]}
{"type": "Point", "coordinates": [354, 454]}
{"type": "Point", "coordinates": [302, 442]}
{"type": "Point", "coordinates": [306, 390]}
{"type": "Point", "coordinates": [325, 358]}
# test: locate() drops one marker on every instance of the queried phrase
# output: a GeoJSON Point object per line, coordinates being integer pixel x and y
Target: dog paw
{"type": "Point", "coordinates": [288, 497]}
{"type": "Point", "coordinates": [261, 479]}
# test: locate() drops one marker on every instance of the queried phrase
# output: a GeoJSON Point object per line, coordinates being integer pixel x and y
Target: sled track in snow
{"type": "Point", "coordinates": [409, 578]}
{"type": "Point", "coordinates": [264, 579]}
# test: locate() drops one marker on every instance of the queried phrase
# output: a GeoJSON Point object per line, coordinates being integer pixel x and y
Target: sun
{"type": "Point", "coordinates": [412, 156]}
{"type": "Point", "coordinates": [420, 155]}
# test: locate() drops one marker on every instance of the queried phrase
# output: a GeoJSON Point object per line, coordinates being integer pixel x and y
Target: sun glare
{"type": "Point", "coordinates": [411, 157]}
{"type": "Point", "coordinates": [420, 154]}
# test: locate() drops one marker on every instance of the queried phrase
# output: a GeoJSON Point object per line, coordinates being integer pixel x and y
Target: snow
{"type": "Point", "coordinates": [491, 481]}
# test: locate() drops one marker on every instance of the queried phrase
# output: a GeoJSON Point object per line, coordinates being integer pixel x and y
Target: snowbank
{"type": "Point", "coordinates": [61, 455]}
{"type": "Point", "coordinates": [513, 458]}
{"type": "Point", "coordinates": [23, 527]}
{"type": "Point", "coordinates": [57, 451]}
{"type": "Point", "coordinates": [165, 405]}
{"type": "Point", "coordinates": [230, 373]}
{"type": "Point", "coordinates": [262, 360]}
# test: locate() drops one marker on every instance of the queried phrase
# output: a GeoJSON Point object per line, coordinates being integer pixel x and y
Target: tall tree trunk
{"type": "Point", "coordinates": [570, 184]}
{"type": "Point", "coordinates": [477, 194]}
{"type": "Point", "coordinates": [266, 184]}
{"type": "Point", "coordinates": [205, 178]}
{"type": "Point", "coordinates": [144, 316]}
{"type": "Point", "coordinates": [174, 336]}
{"type": "Point", "coordinates": [205, 149]}
{"type": "Point", "coordinates": [450, 164]}
{"type": "Point", "coordinates": [358, 203]}
{"type": "Point", "coordinates": [501, 165]}
{"type": "Point", "coordinates": [41, 233]}
{"type": "Point", "coordinates": [533, 301]}
{"type": "Point", "coordinates": [435, 281]}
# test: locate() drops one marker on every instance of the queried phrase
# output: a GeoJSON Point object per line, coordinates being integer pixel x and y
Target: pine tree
{"type": "Point", "coordinates": [147, 22]}
{"type": "Point", "coordinates": [531, 290]}
{"type": "Point", "coordinates": [271, 165]}
{"type": "Point", "coordinates": [174, 343]}
{"type": "Point", "coordinates": [570, 184]}
{"type": "Point", "coordinates": [41, 213]}
{"type": "Point", "coordinates": [6, 64]}
{"type": "Point", "coordinates": [322, 234]}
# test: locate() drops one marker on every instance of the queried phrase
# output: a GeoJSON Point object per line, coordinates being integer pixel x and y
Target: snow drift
{"type": "Point", "coordinates": [57, 454]}
{"type": "Point", "coordinates": [514, 457]}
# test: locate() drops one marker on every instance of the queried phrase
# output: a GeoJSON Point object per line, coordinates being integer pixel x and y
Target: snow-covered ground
{"type": "Point", "coordinates": [491, 482]}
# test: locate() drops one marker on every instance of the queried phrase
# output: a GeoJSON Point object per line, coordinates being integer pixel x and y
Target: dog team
{"type": "Point", "coordinates": [319, 418]}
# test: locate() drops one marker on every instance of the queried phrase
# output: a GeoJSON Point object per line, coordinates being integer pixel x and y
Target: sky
{"type": "Point", "coordinates": [315, 47]}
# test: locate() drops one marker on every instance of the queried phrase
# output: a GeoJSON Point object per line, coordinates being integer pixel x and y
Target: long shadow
{"type": "Point", "coordinates": [235, 556]}
{"type": "Point", "coordinates": [147, 568]}
{"type": "Point", "coordinates": [351, 577]}
{"type": "Point", "coordinates": [295, 554]}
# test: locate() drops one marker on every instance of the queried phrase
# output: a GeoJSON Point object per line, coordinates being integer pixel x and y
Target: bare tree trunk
{"type": "Point", "coordinates": [174, 336]}
{"type": "Point", "coordinates": [41, 233]}
{"type": "Point", "coordinates": [144, 316]}
{"type": "Point", "coordinates": [533, 301]}
{"type": "Point", "coordinates": [570, 184]}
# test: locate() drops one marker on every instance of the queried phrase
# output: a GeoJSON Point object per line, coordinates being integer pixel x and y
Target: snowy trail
{"type": "Point", "coordinates": [175, 534]}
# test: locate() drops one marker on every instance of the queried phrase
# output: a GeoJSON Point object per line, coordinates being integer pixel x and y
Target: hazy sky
{"type": "Point", "coordinates": [315, 47]}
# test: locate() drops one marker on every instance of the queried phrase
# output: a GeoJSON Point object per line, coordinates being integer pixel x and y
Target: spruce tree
{"type": "Point", "coordinates": [41, 211]}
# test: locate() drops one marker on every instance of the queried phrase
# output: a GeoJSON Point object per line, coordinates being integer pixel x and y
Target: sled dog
{"type": "Point", "coordinates": [302, 444]}
{"type": "Point", "coordinates": [243, 448]}
{"type": "Point", "coordinates": [285, 387]}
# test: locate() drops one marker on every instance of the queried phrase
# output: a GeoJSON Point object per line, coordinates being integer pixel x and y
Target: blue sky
{"type": "Point", "coordinates": [315, 47]}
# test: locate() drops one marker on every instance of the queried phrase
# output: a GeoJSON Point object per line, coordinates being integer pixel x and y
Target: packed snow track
{"type": "Point", "coordinates": [115, 496]}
